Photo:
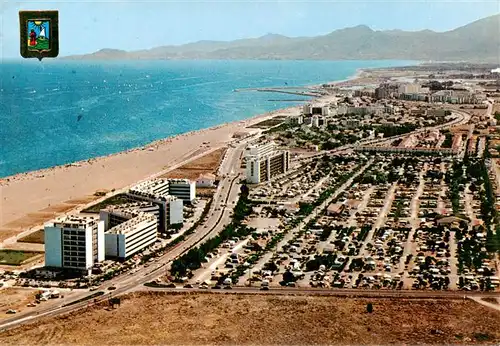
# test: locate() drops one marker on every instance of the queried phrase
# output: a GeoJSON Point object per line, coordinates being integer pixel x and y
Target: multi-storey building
{"type": "Point", "coordinates": [74, 243]}
{"type": "Point", "coordinates": [183, 189]}
{"type": "Point", "coordinates": [386, 90]}
{"type": "Point", "coordinates": [264, 167]}
{"type": "Point", "coordinates": [453, 96]}
{"type": "Point", "coordinates": [180, 188]}
{"type": "Point", "coordinates": [260, 149]}
{"type": "Point", "coordinates": [157, 193]}
{"type": "Point", "coordinates": [131, 236]}
{"type": "Point", "coordinates": [116, 214]}
{"type": "Point", "coordinates": [318, 121]}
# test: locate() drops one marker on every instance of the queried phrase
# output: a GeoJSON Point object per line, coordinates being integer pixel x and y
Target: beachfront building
{"type": "Point", "coordinates": [114, 215]}
{"type": "Point", "coordinates": [131, 236]}
{"type": "Point", "coordinates": [157, 192]}
{"type": "Point", "coordinates": [264, 167]}
{"type": "Point", "coordinates": [74, 243]}
{"type": "Point", "coordinates": [183, 189]}
{"type": "Point", "coordinates": [296, 119]}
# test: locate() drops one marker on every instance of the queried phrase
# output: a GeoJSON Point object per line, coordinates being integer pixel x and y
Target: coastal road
{"type": "Point", "coordinates": [227, 193]}
{"type": "Point", "coordinates": [218, 217]}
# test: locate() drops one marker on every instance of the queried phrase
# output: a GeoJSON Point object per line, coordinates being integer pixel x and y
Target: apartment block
{"type": "Point", "coordinates": [131, 236]}
{"type": "Point", "coordinates": [157, 193]}
{"type": "Point", "coordinates": [74, 242]}
{"type": "Point", "coordinates": [265, 167]}
{"type": "Point", "coordinates": [117, 214]}
{"type": "Point", "coordinates": [183, 189]}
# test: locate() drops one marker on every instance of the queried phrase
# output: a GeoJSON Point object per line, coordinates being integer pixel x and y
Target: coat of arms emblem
{"type": "Point", "coordinates": [39, 34]}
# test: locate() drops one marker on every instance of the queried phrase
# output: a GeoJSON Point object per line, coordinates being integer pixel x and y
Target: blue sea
{"type": "Point", "coordinates": [56, 112]}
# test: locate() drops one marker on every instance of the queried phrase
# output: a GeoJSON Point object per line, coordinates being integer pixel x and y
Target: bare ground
{"type": "Point", "coordinates": [159, 318]}
{"type": "Point", "coordinates": [37, 237]}
{"type": "Point", "coordinates": [15, 298]}
{"type": "Point", "coordinates": [205, 164]}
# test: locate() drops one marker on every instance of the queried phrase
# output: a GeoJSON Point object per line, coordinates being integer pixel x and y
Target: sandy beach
{"type": "Point", "coordinates": [30, 199]}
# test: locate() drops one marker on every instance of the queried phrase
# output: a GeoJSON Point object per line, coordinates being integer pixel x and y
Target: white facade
{"type": "Point", "coordinates": [169, 195]}
{"type": "Point", "coordinates": [205, 180]}
{"type": "Point", "coordinates": [175, 211]}
{"type": "Point", "coordinates": [183, 189]}
{"type": "Point", "coordinates": [315, 121]}
{"type": "Point", "coordinates": [132, 236]}
{"type": "Point", "coordinates": [260, 149]}
{"type": "Point", "coordinates": [261, 168]}
{"type": "Point", "coordinates": [155, 187]}
{"type": "Point", "coordinates": [297, 119]}
{"type": "Point", "coordinates": [74, 242]}
{"type": "Point", "coordinates": [117, 214]}
{"type": "Point", "coordinates": [318, 121]}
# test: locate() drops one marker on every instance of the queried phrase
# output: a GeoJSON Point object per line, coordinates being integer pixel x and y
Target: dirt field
{"type": "Point", "coordinates": [156, 318]}
{"type": "Point", "coordinates": [15, 298]}
{"type": "Point", "coordinates": [37, 237]}
{"type": "Point", "coordinates": [205, 164]}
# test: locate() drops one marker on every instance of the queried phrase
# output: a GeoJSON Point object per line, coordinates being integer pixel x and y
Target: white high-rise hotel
{"type": "Point", "coordinates": [74, 242]}
{"type": "Point", "coordinates": [264, 162]}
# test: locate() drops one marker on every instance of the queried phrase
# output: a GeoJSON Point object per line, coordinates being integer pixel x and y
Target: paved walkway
{"type": "Point", "coordinates": [488, 304]}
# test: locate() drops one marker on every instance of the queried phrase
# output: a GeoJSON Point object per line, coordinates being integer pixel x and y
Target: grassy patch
{"type": "Point", "coordinates": [16, 257]}
{"type": "Point", "coordinates": [41, 44]}
{"type": "Point", "coordinates": [36, 237]}
{"type": "Point", "coordinates": [268, 123]}
{"type": "Point", "coordinates": [114, 200]}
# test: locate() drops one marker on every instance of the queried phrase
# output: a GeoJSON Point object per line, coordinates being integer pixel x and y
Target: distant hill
{"type": "Point", "coordinates": [477, 41]}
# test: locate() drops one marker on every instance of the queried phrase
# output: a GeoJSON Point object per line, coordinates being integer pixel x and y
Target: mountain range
{"type": "Point", "coordinates": [478, 41]}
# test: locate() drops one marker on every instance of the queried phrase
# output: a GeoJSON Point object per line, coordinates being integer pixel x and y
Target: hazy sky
{"type": "Point", "coordinates": [87, 26]}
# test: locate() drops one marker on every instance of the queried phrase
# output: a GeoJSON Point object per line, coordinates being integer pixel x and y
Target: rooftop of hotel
{"type": "Point", "coordinates": [128, 226]}
{"type": "Point", "coordinates": [150, 184]}
{"type": "Point", "coordinates": [153, 195]}
{"type": "Point", "coordinates": [128, 206]}
{"type": "Point", "coordinates": [75, 220]}
{"type": "Point", "coordinates": [128, 209]}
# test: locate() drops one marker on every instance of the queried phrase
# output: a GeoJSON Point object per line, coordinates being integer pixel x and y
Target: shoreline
{"type": "Point", "coordinates": [28, 199]}
{"type": "Point", "coordinates": [28, 174]}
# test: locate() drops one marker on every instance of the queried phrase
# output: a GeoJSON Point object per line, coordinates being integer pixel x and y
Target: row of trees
{"type": "Point", "coordinates": [196, 256]}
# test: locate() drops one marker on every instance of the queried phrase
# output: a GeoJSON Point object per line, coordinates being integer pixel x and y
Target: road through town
{"type": "Point", "coordinates": [218, 216]}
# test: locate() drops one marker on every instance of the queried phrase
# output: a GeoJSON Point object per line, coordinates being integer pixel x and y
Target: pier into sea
{"type": "Point", "coordinates": [302, 91]}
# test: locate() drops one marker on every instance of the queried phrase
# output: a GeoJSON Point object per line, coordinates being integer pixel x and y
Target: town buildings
{"type": "Point", "coordinates": [453, 96]}
{"type": "Point", "coordinates": [264, 162]}
{"type": "Point", "coordinates": [74, 242]}
{"type": "Point", "coordinates": [385, 91]}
